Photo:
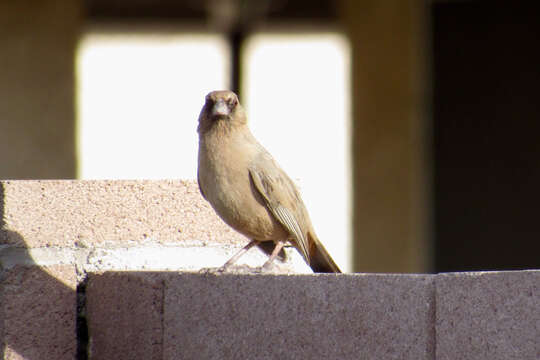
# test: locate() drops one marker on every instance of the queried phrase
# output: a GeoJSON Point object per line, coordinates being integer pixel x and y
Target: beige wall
{"type": "Point", "coordinates": [37, 48]}
{"type": "Point", "coordinates": [390, 221]}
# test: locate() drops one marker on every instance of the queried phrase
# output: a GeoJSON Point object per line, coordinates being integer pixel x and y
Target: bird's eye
{"type": "Point", "coordinates": [232, 102]}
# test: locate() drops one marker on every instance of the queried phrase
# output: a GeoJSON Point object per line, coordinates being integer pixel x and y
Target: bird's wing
{"type": "Point", "coordinates": [281, 198]}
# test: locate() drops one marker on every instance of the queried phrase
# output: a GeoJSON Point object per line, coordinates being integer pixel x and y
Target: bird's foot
{"type": "Point", "coordinates": [270, 267]}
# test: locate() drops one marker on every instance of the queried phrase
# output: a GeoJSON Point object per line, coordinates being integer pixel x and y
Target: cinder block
{"type": "Point", "coordinates": [124, 315]}
{"type": "Point", "coordinates": [488, 316]}
{"type": "Point", "coordinates": [71, 213]}
{"type": "Point", "coordinates": [299, 317]}
{"type": "Point", "coordinates": [38, 312]}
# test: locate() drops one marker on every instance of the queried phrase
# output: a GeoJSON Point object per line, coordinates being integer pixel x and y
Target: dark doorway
{"type": "Point", "coordinates": [486, 117]}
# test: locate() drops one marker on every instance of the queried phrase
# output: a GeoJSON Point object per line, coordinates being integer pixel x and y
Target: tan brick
{"type": "Point", "coordinates": [38, 312]}
{"type": "Point", "coordinates": [69, 213]}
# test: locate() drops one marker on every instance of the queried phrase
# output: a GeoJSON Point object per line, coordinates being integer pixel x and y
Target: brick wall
{"type": "Point", "coordinates": [109, 270]}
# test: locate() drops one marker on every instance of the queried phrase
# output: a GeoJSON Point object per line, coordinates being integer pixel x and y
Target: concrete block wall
{"type": "Point", "coordinates": [55, 234]}
{"type": "Point", "coordinates": [109, 270]}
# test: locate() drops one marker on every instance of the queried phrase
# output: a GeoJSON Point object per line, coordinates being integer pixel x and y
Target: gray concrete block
{"type": "Point", "coordinates": [490, 315]}
{"type": "Point", "coordinates": [37, 312]}
{"type": "Point", "coordinates": [299, 317]}
{"type": "Point", "coordinates": [124, 315]}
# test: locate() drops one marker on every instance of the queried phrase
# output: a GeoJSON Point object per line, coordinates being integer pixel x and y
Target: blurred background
{"type": "Point", "coordinates": [411, 126]}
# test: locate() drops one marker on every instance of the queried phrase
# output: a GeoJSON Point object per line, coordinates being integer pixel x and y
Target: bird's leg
{"type": "Point", "coordinates": [275, 253]}
{"type": "Point", "coordinates": [239, 254]}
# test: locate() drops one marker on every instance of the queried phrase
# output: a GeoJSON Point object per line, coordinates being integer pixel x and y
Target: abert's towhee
{"type": "Point", "coordinates": [248, 189]}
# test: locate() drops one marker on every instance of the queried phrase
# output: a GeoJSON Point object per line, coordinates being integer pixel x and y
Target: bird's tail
{"type": "Point", "coordinates": [320, 260]}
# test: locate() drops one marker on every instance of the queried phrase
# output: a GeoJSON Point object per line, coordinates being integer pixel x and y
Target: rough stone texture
{"type": "Point", "coordinates": [299, 317]}
{"type": "Point", "coordinates": [124, 312]}
{"type": "Point", "coordinates": [491, 316]}
{"type": "Point", "coordinates": [37, 312]}
{"type": "Point", "coordinates": [49, 225]}
{"type": "Point", "coordinates": [118, 225]}
{"type": "Point", "coordinates": [70, 213]}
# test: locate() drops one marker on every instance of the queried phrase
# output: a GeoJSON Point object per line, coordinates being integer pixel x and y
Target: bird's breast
{"type": "Point", "coordinates": [225, 181]}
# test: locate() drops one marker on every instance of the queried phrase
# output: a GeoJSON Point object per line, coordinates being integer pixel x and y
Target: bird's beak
{"type": "Point", "coordinates": [220, 108]}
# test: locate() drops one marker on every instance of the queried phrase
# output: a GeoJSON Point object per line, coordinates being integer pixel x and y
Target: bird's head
{"type": "Point", "coordinates": [221, 103]}
{"type": "Point", "coordinates": [221, 106]}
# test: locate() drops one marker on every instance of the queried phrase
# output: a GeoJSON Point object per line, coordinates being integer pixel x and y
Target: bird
{"type": "Point", "coordinates": [249, 190]}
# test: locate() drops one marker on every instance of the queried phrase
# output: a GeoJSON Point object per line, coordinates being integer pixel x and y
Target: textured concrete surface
{"type": "Point", "coordinates": [37, 312]}
{"type": "Point", "coordinates": [490, 315]}
{"type": "Point", "coordinates": [118, 225]}
{"type": "Point", "coordinates": [124, 312]}
{"type": "Point", "coordinates": [146, 258]}
{"type": "Point", "coordinates": [299, 317]}
{"type": "Point", "coordinates": [168, 315]}
{"type": "Point", "coordinates": [70, 213]}
{"type": "Point", "coordinates": [53, 232]}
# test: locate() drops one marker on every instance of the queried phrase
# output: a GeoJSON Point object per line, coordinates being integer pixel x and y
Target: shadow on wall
{"type": "Point", "coordinates": [37, 311]}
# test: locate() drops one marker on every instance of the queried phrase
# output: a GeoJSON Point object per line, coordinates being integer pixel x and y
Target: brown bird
{"type": "Point", "coordinates": [248, 189]}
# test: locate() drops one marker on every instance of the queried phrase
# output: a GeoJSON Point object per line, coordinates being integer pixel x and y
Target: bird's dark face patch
{"type": "Point", "coordinates": [221, 104]}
